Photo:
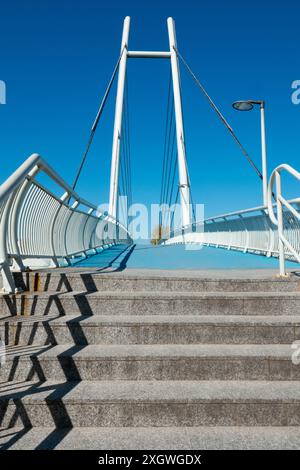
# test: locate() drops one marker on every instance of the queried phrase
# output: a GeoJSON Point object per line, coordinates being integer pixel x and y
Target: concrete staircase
{"type": "Point", "coordinates": [150, 361]}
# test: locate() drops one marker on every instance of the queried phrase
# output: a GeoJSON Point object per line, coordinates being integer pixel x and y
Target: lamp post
{"type": "Point", "coordinates": [248, 105]}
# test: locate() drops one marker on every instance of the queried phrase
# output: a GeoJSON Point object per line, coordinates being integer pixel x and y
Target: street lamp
{"type": "Point", "coordinates": [248, 105]}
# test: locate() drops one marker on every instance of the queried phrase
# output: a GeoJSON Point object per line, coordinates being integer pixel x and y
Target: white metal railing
{"type": "Point", "coordinates": [272, 230]}
{"type": "Point", "coordinates": [287, 215]}
{"type": "Point", "coordinates": [249, 231]}
{"type": "Point", "coordinates": [37, 224]}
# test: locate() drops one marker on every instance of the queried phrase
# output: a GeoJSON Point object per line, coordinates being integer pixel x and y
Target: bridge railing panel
{"type": "Point", "coordinates": [39, 227]}
{"type": "Point", "coordinates": [286, 216]}
{"type": "Point", "coordinates": [250, 231]}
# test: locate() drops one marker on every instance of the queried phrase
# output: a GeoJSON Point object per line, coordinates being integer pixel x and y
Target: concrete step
{"type": "Point", "coordinates": [150, 329]}
{"type": "Point", "coordinates": [150, 403]}
{"type": "Point", "coordinates": [152, 303]}
{"type": "Point", "coordinates": [75, 279]}
{"type": "Point", "coordinates": [153, 438]}
{"type": "Point", "coordinates": [149, 362]}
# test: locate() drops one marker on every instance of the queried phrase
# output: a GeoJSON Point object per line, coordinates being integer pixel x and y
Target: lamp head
{"type": "Point", "coordinates": [243, 105]}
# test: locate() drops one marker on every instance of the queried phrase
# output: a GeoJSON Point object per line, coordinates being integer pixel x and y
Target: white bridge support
{"type": "Point", "coordinates": [115, 158]}
{"type": "Point", "coordinates": [184, 184]}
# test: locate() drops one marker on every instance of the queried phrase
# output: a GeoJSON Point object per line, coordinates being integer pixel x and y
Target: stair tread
{"type": "Point", "coordinates": [152, 438]}
{"type": "Point", "coordinates": [242, 275]}
{"type": "Point", "coordinates": [155, 319]}
{"type": "Point", "coordinates": [144, 351]}
{"type": "Point", "coordinates": [109, 294]}
{"type": "Point", "coordinates": [227, 384]}
{"type": "Point", "coordinates": [211, 391]}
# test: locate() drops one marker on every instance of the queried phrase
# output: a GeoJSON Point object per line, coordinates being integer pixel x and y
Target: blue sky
{"type": "Point", "coordinates": [56, 60]}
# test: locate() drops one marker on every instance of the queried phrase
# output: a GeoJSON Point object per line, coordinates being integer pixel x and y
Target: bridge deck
{"type": "Point", "coordinates": [179, 257]}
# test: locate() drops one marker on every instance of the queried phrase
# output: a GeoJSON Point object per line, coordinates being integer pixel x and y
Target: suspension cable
{"type": "Point", "coordinates": [124, 183]}
{"type": "Point", "coordinates": [173, 179]}
{"type": "Point", "coordinates": [128, 147]}
{"type": "Point", "coordinates": [216, 109]}
{"type": "Point", "coordinates": [170, 135]}
{"type": "Point", "coordinates": [168, 153]}
{"type": "Point", "coordinates": [170, 161]}
{"type": "Point", "coordinates": [169, 165]}
{"type": "Point", "coordinates": [96, 121]}
{"type": "Point", "coordinates": [176, 200]}
{"type": "Point", "coordinates": [165, 142]}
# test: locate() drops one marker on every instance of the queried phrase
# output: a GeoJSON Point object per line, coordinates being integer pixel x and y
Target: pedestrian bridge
{"type": "Point", "coordinates": [43, 227]}
{"type": "Point", "coordinates": [93, 356]}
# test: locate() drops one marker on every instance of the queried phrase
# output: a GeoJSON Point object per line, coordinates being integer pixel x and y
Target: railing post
{"type": "Point", "coordinates": [280, 225]}
{"type": "Point", "coordinates": [14, 216]}
{"type": "Point", "coordinates": [72, 211]}
{"type": "Point", "coordinates": [53, 227]}
{"type": "Point", "coordinates": [12, 224]}
{"type": "Point", "coordinates": [89, 214]}
{"type": "Point", "coordinates": [247, 234]}
{"type": "Point", "coordinates": [8, 279]}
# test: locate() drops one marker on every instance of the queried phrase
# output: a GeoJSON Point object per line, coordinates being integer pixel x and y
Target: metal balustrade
{"type": "Point", "coordinates": [286, 218]}
{"type": "Point", "coordinates": [272, 230]}
{"type": "Point", "coordinates": [36, 224]}
{"type": "Point", "coordinates": [249, 231]}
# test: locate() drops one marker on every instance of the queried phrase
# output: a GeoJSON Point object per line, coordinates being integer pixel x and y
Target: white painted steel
{"type": "Point", "coordinates": [36, 224]}
{"type": "Point", "coordinates": [264, 154]}
{"type": "Point", "coordinates": [184, 185]}
{"type": "Point", "coordinates": [248, 231]}
{"type": "Point", "coordinates": [248, 105]}
{"type": "Point", "coordinates": [287, 215]}
{"type": "Point", "coordinates": [149, 54]}
{"type": "Point", "coordinates": [115, 161]}
{"type": "Point", "coordinates": [272, 230]}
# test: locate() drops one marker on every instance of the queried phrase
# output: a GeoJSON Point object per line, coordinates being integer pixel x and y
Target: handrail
{"type": "Point", "coordinates": [271, 230]}
{"type": "Point", "coordinates": [289, 169]}
{"type": "Point", "coordinates": [219, 217]}
{"type": "Point", "coordinates": [284, 243]}
{"type": "Point", "coordinates": [35, 160]}
{"type": "Point", "coordinates": [35, 223]}
{"type": "Point", "coordinates": [248, 231]}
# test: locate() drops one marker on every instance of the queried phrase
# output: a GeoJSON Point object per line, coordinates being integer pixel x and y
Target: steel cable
{"type": "Point", "coordinates": [218, 112]}
{"type": "Point", "coordinates": [96, 121]}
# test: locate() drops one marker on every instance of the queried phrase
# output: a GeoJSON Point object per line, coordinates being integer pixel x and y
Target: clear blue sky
{"type": "Point", "coordinates": [57, 57]}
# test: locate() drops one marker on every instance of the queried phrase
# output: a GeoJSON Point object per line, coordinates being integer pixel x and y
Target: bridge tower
{"type": "Point", "coordinates": [184, 184]}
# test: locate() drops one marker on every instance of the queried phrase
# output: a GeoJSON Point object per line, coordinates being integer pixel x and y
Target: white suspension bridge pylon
{"type": "Point", "coordinates": [184, 184]}
{"type": "Point", "coordinates": [37, 224]}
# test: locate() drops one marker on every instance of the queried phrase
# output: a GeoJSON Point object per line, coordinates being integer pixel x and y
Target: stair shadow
{"type": "Point", "coordinates": [295, 273]}
{"type": "Point", "coordinates": [122, 263]}
{"type": "Point", "coordinates": [18, 305]}
{"type": "Point", "coordinates": [55, 400]}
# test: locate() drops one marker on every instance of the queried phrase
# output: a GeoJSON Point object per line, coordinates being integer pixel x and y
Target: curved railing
{"type": "Point", "coordinates": [36, 224]}
{"type": "Point", "coordinates": [248, 231]}
{"type": "Point", "coordinates": [286, 218]}
{"type": "Point", "coordinates": [272, 230]}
